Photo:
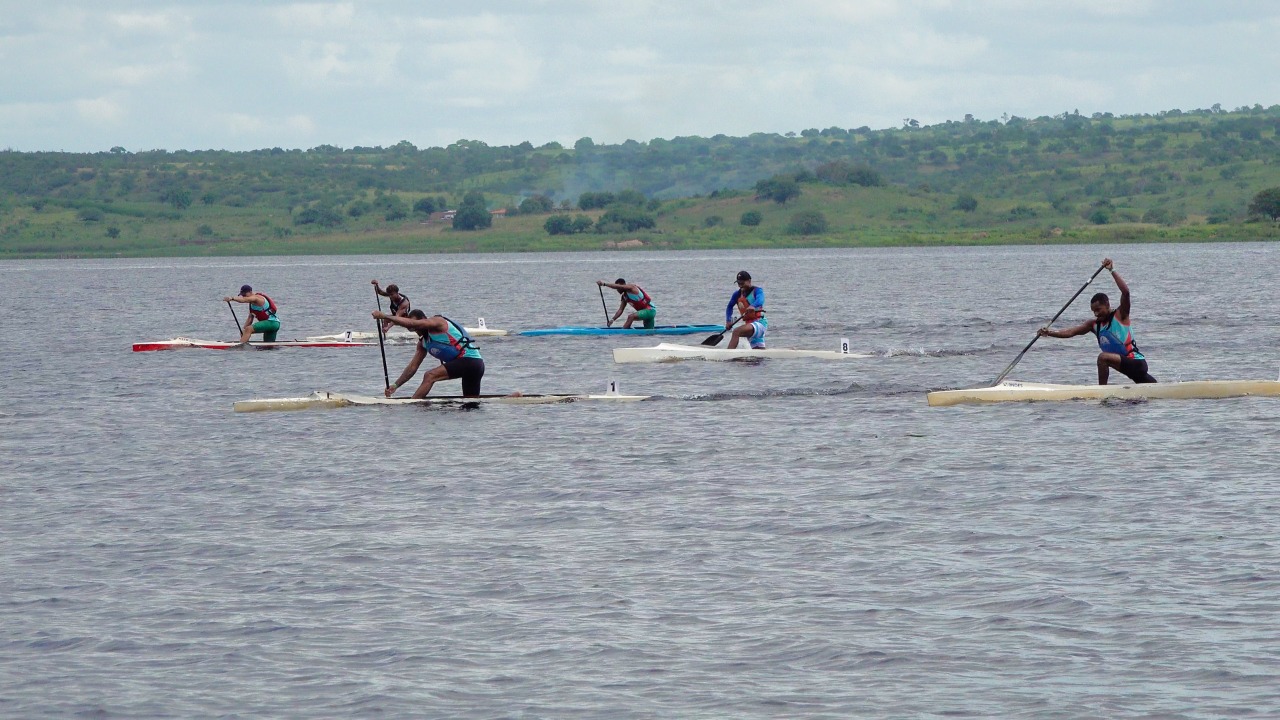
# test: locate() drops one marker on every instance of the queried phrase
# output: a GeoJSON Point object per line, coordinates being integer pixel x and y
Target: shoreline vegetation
{"type": "Point", "coordinates": [1199, 176]}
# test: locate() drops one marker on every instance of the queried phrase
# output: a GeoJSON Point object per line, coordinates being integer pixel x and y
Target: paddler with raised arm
{"type": "Point", "coordinates": [748, 302]}
{"type": "Point", "coordinates": [399, 303]}
{"type": "Point", "coordinates": [444, 340]}
{"type": "Point", "coordinates": [1115, 338]}
{"type": "Point", "coordinates": [262, 314]}
{"type": "Point", "coordinates": [632, 294]}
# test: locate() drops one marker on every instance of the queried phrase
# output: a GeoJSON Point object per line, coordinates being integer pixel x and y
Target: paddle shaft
{"type": "Point", "coordinates": [237, 317]}
{"type": "Point", "coordinates": [1051, 321]}
{"type": "Point", "coordinates": [386, 377]}
{"type": "Point", "coordinates": [608, 321]}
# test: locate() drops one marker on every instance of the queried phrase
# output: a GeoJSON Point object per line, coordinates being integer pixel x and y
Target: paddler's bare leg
{"type": "Point", "coordinates": [1106, 361]}
{"type": "Point", "coordinates": [248, 331]}
{"type": "Point", "coordinates": [742, 331]}
{"type": "Point", "coordinates": [429, 379]}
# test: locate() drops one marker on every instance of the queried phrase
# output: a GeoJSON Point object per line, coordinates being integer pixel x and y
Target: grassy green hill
{"type": "Point", "coordinates": [1066, 178]}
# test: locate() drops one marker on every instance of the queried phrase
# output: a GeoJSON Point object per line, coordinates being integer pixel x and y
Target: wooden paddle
{"type": "Point", "coordinates": [608, 321]}
{"type": "Point", "coordinates": [386, 377]}
{"type": "Point", "coordinates": [715, 339]}
{"type": "Point", "coordinates": [1055, 317]}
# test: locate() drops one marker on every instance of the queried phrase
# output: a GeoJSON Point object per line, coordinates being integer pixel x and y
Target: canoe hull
{"type": "Point", "coordinates": [670, 352]}
{"type": "Point", "coordinates": [192, 343]}
{"type": "Point", "coordinates": [1029, 392]}
{"type": "Point", "coordinates": [327, 400]}
{"type": "Point", "coordinates": [398, 335]}
{"type": "Point", "coordinates": [659, 330]}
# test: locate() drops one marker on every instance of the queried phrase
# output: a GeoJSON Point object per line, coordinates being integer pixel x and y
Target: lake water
{"type": "Point", "coordinates": [782, 539]}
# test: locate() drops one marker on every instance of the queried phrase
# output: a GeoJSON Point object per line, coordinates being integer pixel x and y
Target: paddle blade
{"type": "Point", "coordinates": [714, 339]}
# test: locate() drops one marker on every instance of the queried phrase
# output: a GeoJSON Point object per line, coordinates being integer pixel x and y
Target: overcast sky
{"type": "Point", "coordinates": [244, 74]}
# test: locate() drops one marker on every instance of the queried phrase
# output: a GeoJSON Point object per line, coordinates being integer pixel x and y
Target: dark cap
{"type": "Point", "coordinates": [744, 275]}
{"type": "Point", "coordinates": [619, 281]}
{"type": "Point", "coordinates": [245, 289]}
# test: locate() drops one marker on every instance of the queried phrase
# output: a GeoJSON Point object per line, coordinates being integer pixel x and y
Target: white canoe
{"type": "Point", "coordinates": [186, 343]}
{"type": "Point", "coordinates": [398, 335]}
{"type": "Point", "coordinates": [324, 400]}
{"type": "Point", "coordinates": [670, 352]}
{"type": "Point", "coordinates": [1011, 391]}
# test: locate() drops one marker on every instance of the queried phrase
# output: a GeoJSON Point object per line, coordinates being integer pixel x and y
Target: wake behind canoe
{"type": "Point", "coordinates": [327, 400]}
{"type": "Point", "coordinates": [1010, 391]}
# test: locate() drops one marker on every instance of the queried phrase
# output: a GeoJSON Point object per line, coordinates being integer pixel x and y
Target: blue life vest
{"type": "Point", "coordinates": [1115, 337]}
{"type": "Point", "coordinates": [451, 344]}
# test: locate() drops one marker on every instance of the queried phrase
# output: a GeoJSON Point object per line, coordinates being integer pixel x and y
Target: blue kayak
{"type": "Point", "coordinates": [657, 330]}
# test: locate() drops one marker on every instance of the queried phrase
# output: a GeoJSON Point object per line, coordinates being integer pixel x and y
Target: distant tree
{"type": "Point", "coordinates": [1163, 216]}
{"type": "Point", "coordinates": [1266, 204]}
{"type": "Point", "coordinates": [631, 197]}
{"type": "Point", "coordinates": [965, 202]}
{"type": "Point", "coordinates": [208, 198]}
{"type": "Point", "coordinates": [750, 218]}
{"type": "Point", "coordinates": [779, 188]}
{"type": "Point", "coordinates": [113, 232]}
{"type": "Point", "coordinates": [712, 221]}
{"type": "Point", "coordinates": [843, 172]}
{"type": "Point", "coordinates": [581, 223]}
{"type": "Point", "coordinates": [91, 214]}
{"type": "Point", "coordinates": [179, 198]}
{"type": "Point", "coordinates": [472, 214]}
{"type": "Point", "coordinates": [807, 222]}
{"type": "Point", "coordinates": [584, 143]}
{"type": "Point", "coordinates": [425, 206]}
{"type": "Point", "coordinates": [536, 204]}
{"type": "Point", "coordinates": [559, 224]}
{"type": "Point", "coordinates": [595, 200]}
{"type": "Point", "coordinates": [628, 217]}
{"type": "Point", "coordinates": [329, 218]}
{"type": "Point", "coordinates": [204, 230]}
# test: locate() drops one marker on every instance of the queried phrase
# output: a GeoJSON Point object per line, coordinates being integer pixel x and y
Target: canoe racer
{"type": "Point", "coordinates": [1115, 338]}
{"type": "Point", "coordinates": [399, 303]}
{"type": "Point", "coordinates": [631, 293]}
{"type": "Point", "coordinates": [262, 314]}
{"type": "Point", "coordinates": [748, 302]}
{"type": "Point", "coordinates": [444, 340]}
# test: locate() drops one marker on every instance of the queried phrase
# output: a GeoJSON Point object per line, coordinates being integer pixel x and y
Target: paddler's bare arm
{"type": "Point", "coordinates": [431, 324]}
{"type": "Point", "coordinates": [1080, 329]}
{"type": "Point", "coordinates": [1122, 310]}
{"type": "Point", "coordinates": [409, 371]}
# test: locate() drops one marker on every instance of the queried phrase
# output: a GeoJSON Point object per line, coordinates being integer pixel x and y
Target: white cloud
{"type": "Point", "coordinates": [100, 111]}
{"type": "Point", "coordinates": [211, 73]}
{"type": "Point", "coordinates": [315, 16]}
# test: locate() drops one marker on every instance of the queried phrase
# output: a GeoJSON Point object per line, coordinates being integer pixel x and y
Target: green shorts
{"type": "Point", "coordinates": [268, 328]}
{"type": "Point", "coordinates": [647, 315]}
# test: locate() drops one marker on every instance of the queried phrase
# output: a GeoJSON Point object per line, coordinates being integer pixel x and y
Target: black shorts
{"type": "Point", "coordinates": [470, 370]}
{"type": "Point", "coordinates": [1136, 370]}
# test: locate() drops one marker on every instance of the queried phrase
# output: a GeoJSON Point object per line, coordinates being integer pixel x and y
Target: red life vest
{"type": "Point", "coordinates": [267, 313]}
{"type": "Point", "coordinates": [748, 313]}
{"type": "Point", "coordinates": [644, 303]}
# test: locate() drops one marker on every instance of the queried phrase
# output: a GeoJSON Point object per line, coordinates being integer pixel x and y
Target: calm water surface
{"type": "Point", "coordinates": [786, 539]}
